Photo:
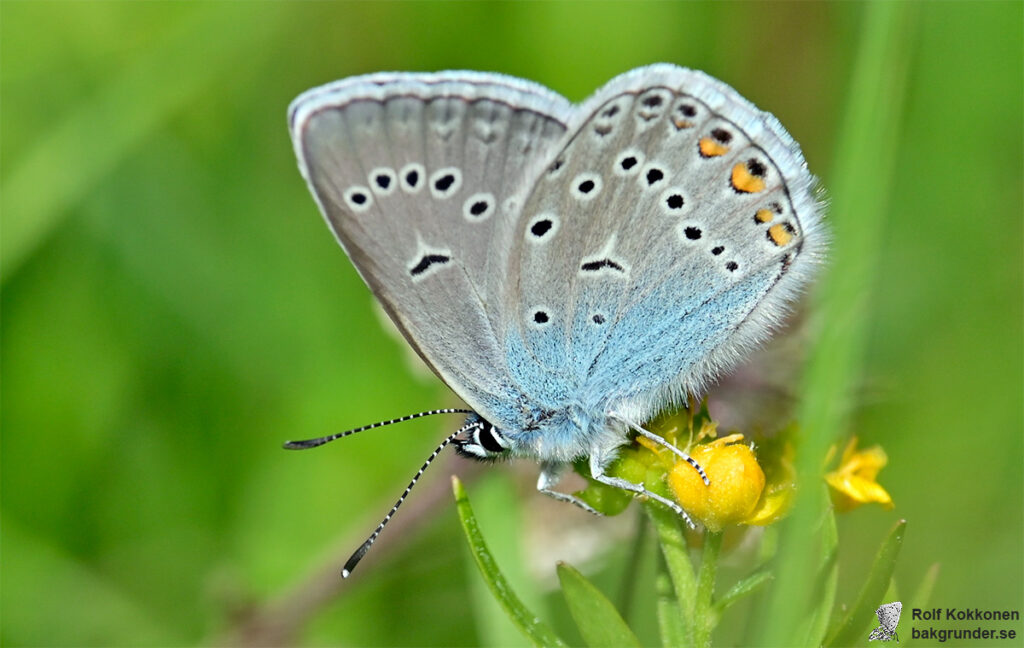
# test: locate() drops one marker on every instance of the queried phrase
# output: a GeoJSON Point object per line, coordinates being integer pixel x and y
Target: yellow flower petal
{"type": "Point", "coordinates": [853, 482]}
{"type": "Point", "coordinates": [736, 483]}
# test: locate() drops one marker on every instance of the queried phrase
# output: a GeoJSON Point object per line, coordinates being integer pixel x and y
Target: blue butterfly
{"type": "Point", "coordinates": [568, 271]}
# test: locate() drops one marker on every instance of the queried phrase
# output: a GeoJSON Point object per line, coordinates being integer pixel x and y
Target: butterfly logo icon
{"type": "Point", "coordinates": [889, 618]}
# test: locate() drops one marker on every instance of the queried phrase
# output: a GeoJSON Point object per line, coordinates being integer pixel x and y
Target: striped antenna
{"type": "Point", "coordinates": [361, 551]}
{"type": "Point", "coordinates": [312, 443]}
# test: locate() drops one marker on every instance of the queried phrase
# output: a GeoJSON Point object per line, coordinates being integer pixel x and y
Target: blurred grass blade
{"type": "Point", "coordinates": [853, 629]}
{"type": "Point", "coordinates": [97, 134]}
{"type": "Point", "coordinates": [825, 587]}
{"type": "Point", "coordinates": [859, 183]}
{"type": "Point", "coordinates": [742, 589]}
{"type": "Point", "coordinates": [923, 594]}
{"type": "Point", "coordinates": [597, 619]}
{"type": "Point", "coordinates": [670, 622]}
{"type": "Point", "coordinates": [534, 629]}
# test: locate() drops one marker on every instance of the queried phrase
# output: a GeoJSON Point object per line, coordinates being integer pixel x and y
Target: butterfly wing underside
{"type": "Point", "coordinates": [664, 239]}
{"type": "Point", "coordinates": [420, 177]}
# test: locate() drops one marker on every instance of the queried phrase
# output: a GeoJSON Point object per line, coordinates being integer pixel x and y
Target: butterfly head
{"type": "Point", "coordinates": [483, 441]}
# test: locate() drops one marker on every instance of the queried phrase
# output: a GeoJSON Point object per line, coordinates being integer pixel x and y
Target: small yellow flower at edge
{"type": "Point", "coordinates": [853, 482]}
{"type": "Point", "coordinates": [736, 483]}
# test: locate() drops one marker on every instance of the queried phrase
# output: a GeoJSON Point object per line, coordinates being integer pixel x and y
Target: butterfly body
{"type": "Point", "coordinates": [567, 270]}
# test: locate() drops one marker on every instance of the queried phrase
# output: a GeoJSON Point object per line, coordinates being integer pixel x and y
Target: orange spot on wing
{"type": "Point", "coordinates": [743, 180]}
{"type": "Point", "coordinates": [780, 234]}
{"type": "Point", "coordinates": [682, 123]}
{"type": "Point", "coordinates": [764, 215]}
{"type": "Point", "coordinates": [711, 148]}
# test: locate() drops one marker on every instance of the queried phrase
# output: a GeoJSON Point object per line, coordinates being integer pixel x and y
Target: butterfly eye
{"type": "Point", "coordinates": [491, 440]}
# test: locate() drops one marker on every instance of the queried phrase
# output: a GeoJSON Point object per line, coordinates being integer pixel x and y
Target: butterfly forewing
{"type": "Point", "coordinates": [658, 243]}
{"type": "Point", "coordinates": [422, 177]}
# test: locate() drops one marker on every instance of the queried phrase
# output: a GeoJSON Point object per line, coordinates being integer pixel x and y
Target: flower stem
{"type": "Point", "coordinates": [704, 616]}
{"type": "Point", "coordinates": [677, 560]}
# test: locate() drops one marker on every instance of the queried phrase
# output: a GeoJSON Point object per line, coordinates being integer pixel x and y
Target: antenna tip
{"type": "Point", "coordinates": [345, 573]}
{"type": "Point", "coordinates": [302, 445]}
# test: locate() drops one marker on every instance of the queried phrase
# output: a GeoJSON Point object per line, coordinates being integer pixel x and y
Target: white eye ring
{"type": "Point", "coordinates": [586, 186]}
{"type": "Point", "coordinates": [472, 211]}
{"type": "Point", "coordinates": [383, 181]}
{"type": "Point", "coordinates": [444, 183]}
{"type": "Point", "coordinates": [358, 198]}
{"type": "Point", "coordinates": [418, 175]}
{"type": "Point", "coordinates": [632, 158]}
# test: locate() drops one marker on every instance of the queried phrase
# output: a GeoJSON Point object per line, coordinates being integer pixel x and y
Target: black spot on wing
{"type": "Point", "coordinates": [594, 266]}
{"type": "Point", "coordinates": [427, 261]}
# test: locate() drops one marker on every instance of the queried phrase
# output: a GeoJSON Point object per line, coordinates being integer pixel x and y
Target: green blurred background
{"type": "Point", "coordinates": [174, 308]}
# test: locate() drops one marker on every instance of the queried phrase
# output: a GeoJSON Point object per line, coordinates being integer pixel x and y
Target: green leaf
{"type": "Point", "coordinates": [742, 589]}
{"type": "Point", "coordinates": [854, 626]}
{"type": "Point", "coordinates": [534, 629]}
{"type": "Point", "coordinates": [598, 620]}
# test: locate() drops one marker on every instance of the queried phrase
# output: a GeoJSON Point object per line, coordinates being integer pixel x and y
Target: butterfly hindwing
{"type": "Point", "coordinates": [677, 219]}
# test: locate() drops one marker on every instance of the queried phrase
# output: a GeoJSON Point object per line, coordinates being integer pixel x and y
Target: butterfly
{"type": "Point", "coordinates": [889, 618]}
{"type": "Point", "coordinates": [567, 270]}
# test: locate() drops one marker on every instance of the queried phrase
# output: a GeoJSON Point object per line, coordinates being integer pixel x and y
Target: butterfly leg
{"type": "Point", "coordinates": [550, 474]}
{"type": "Point", "coordinates": [598, 461]}
{"type": "Point", "coordinates": [662, 442]}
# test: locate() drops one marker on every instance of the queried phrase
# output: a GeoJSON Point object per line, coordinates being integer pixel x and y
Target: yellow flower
{"type": "Point", "coordinates": [737, 482]}
{"type": "Point", "coordinates": [853, 482]}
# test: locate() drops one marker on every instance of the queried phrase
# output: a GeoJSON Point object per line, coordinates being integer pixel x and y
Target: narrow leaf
{"type": "Point", "coordinates": [854, 627]}
{"type": "Point", "coordinates": [598, 620]}
{"type": "Point", "coordinates": [527, 622]}
{"type": "Point", "coordinates": [742, 589]}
